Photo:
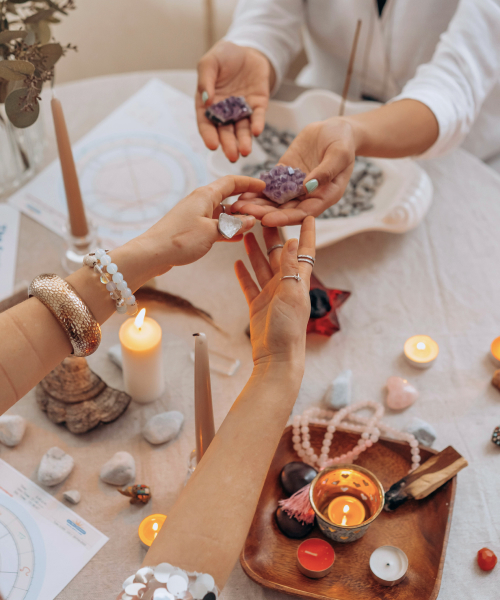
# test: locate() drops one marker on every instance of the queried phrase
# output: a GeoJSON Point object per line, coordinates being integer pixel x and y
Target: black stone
{"type": "Point", "coordinates": [209, 596]}
{"type": "Point", "coordinates": [290, 527]}
{"type": "Point", "coordinates": [295, 475]}
{"type": "Point", "coordinates": [320, 303]}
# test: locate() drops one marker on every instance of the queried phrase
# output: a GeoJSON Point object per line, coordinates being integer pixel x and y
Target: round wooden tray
{"type": "Point", "coordinates": [420, 528]}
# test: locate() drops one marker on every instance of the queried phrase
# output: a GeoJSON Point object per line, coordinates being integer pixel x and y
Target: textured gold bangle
{"type": "Point", "coordinates": [70, 310]}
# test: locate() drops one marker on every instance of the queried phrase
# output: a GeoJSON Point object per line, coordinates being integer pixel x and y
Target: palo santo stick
{"type": "Point", "coordinates": [434, 473]}
{"type": "Point", "coordinates": [347, 81]}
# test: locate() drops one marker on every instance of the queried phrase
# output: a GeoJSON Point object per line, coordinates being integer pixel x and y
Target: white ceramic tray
{"type": "Point", "coordinates": [401, 201]}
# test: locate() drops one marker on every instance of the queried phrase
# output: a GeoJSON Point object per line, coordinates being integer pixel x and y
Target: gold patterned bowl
{"type": "Point", "coordinates": [348, 480]}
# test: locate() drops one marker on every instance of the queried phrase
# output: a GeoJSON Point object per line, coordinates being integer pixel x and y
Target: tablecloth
{"type": "Point", "coordinates": [442, 279]}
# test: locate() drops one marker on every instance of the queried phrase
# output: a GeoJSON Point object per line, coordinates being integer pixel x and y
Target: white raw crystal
{"type": "Point", "coordinates": [72, 496]}
{"type": "Point", "coordinates": [424, 432]}
{"type": "Point", "coordinates": [229, 225]}
{"type": "Point", "coordinates": [115, 355]}
{"type": "Point", "coordinates": [338, 394]}
{"type": "Point", "coordinates": [119, 470]}
{"type": "Point", "coordinates": [163, 427]}
{"type": "Point", "coordinates": [55, 466]}
{"type": "Point", "coordinates": [12, 428]}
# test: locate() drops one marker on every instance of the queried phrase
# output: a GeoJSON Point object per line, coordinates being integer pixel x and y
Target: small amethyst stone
{"type": "Point", "coordinates": [283, 183]}
{"type": "Point", "coordinates": [227, 111]}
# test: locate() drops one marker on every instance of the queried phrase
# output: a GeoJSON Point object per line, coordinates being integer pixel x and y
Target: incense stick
{"type": "Point", "coordinates": [347, 81]}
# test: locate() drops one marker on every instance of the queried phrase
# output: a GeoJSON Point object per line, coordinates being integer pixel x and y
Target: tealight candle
{"type": "Point", "coordinates": [388, 565]}
{"type": "Point", "coordinates": [346, 510]}
{"type": "Point", "coordinates": [315, 558]}
{"type": "Point", "coordinates": [495, 352]}
{"type": "Point", "coordinates": [150, 527]}
{"type": "Point", "coordinates": [142, 357]}
{"type": "Point", "coordinates": [421, 351]}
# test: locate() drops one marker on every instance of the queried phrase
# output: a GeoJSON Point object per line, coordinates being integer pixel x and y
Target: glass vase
{"type": "Point", "coordinates": [21, 152]}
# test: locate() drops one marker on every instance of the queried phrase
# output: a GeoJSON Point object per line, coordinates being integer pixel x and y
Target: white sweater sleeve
{"type": "Point", "coordinates": [271, 26]}
{"type": "Point", "coordinates": [462, 72]}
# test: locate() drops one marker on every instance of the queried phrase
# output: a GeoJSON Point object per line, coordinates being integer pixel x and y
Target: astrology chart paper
{"type": "Point", "coordinates": [133, 167]}
{"type": "Point", "coordinates": [43, 544]}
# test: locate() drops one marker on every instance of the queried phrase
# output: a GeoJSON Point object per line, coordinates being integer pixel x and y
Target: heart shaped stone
{"type": "Point", "coordinates": [400, 393]}
{"type": "Point", "coordinates": [229, 225]}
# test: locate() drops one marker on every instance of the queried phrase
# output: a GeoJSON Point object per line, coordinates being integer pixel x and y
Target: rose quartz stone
{"type": "Point", "coordinates": [400, 393]}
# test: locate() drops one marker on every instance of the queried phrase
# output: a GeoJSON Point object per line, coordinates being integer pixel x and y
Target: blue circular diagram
{"type": "Point", "coordinates": [22, 553]}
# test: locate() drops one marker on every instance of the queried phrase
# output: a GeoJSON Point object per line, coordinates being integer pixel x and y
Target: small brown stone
{"type": "Point", "coordinates": [496, 379]}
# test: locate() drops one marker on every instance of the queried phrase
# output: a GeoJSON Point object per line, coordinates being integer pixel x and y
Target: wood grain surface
{"type": "Point", "coordinates": [420, 528]}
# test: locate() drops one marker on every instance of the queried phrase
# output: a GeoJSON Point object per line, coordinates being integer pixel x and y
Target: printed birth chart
{"type": "Point", "coordinates": [43, 544]}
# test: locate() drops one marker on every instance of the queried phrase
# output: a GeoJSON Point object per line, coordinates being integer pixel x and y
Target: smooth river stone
{"type": "Point", "coordinates": [119, 470]}
{"type": "Point", "coordinates": [72, 496]}
{"type": "Point", "coordinates": [291, 527]}
{"type": "Point", "coordinates": [55, 466]}
{"type": "Point", "coordinates": [295, 475]}
{"type": "Point", "coordinates": [400, 393]}
{"type": "Point", "coordinates": [12, 428]}
{"type": "Point", "coordinates": [229, 225]}
{"type": "Point", "coordinates": [338, 394]}
{"type": "Point", "coordinates": [424, 432]}
{"type": "Point", "coordinates": [163, 427]}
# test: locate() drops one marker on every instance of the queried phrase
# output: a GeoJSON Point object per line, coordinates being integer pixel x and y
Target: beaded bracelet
{"type": "Point", "coordinates": [113, 280]}
{"type": "Point", "coordinates": [169, 583]}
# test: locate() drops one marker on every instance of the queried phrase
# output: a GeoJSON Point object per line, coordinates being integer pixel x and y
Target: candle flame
{"type": "Point", "coordinates": [139, 320]}
{"type": "Point", "coordinates": [421, 346]}
{"type": "Point", "coordinates": [344, 520]}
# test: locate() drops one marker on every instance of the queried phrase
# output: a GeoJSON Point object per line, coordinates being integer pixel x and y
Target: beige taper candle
{"type": "Point", "coordinates": [203, 411]}
{"type": "Point", "coordinates": [76, 210]}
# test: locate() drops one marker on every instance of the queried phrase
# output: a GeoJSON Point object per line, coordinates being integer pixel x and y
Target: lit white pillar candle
{"type": "Point", "coordinates": [140, 339]}
{"type": "Point", "coordinates": [203, 411]}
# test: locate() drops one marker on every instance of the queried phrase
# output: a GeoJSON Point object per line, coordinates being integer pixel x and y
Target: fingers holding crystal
{"type": "Point", "coordinates": [230, 185]}
{"type": "Point", "coordinates": [229, 228]}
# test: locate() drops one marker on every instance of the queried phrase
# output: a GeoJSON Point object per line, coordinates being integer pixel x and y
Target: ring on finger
{"type": "Point", "coordinates": [228, 226]}
{"type": "Point", "coordinates": [306, 260]}
{"type": "Point", "coordinates": [275, 247]}
{"type": "Point", "coordinates": [306, 256]}
{"type": "Point", "coordinates": [297, 277]}
{"type": "Point", "coordinates": [223, 208]}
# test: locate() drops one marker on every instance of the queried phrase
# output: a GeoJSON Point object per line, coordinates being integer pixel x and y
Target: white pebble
{"type": "Point", "coordinates": [163, 427]}
{"type": "Point", "coordinates": [72, 496]}
{"type": "Point", "coordinates": [12, 428]}
{"type": "Point", "coordinates": [338, 394]}
{"type": "Point", "coordinates": [55, 466]}
{"type": "Point", "coordinates": [119, 470]}
{"type": "Point", "coordinates": [423, 431]}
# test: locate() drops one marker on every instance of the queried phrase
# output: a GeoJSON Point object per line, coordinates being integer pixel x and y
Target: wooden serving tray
{"type": "Point", "coordinates": [420, 528]}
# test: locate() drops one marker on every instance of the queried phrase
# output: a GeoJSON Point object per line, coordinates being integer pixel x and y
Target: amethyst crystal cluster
{"type": "Point", "coordinates": [227, 111]}
{"type": "Point", "coordinates": [283, 183]}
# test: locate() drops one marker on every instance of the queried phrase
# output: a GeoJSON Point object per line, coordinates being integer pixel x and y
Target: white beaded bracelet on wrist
{"type": "Point", "coordinates": [113, 280]}
{"type": "Point", "coordinates": [167, 582]}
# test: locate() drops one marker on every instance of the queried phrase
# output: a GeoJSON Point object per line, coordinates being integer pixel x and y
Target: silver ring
{"type": "Point", "coordinates": [307, 256]}
{"type": "Point", "coordinates": [297, 277]}
{"type": "Point", "coordinates": [306, 260]}
{"type": "Point", "coordinates": [223, 207]}
{"type": "Point", "coordinates": [275, 247]}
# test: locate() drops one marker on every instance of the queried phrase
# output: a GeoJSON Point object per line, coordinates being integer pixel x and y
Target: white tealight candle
{"type": "Point", "coordinates": [142, 357]}
{"type": "Point", "coordinates": [388, 565]}
{"type": "Point", "coordinates": [421, 351]}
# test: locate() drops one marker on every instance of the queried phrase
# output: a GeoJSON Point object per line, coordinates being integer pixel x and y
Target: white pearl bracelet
{"type": "Point", "coordinates": [167, 582]}
{"type": "Point", "coordinates": [113, 280]}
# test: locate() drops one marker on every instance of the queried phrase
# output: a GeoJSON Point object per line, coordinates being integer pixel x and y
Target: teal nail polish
{"type": "Point", "coordinates": [204, 97]}
{"type": "Point", "coordinates": [311, 185]}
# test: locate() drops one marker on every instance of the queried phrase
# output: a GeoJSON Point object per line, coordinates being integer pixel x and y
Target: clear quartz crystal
{"type": "Point", "coordinates": [229, 225]}
{"type": "Point", "coordinates": [105, 278]}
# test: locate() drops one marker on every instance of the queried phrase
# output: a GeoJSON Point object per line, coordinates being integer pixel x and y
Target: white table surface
{"type": "Point", "coordinates": [441, 279]}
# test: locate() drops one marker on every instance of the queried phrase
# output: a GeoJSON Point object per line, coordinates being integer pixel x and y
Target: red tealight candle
{"type": "Point", "coordinates": [315, 558]}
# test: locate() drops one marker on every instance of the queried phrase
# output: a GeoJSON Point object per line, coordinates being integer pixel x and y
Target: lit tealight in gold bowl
{"type": "Point", "coordinates": [421, 351]}
{"type": "Point", "coordinates": [346, 500]}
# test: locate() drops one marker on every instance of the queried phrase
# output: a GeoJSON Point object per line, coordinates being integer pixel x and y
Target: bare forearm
{"type": "Point", "coordinates": [402, 128]}
{"type": "Point", "coordinates": [33, 341]}
{"type": "Point", "coordinates": [230, 478]}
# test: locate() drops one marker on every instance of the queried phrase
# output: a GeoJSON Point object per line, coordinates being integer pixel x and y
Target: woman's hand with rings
{"type": "Point", "coordinates": [279, 308]}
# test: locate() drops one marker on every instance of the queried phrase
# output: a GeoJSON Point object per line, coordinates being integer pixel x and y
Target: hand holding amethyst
{"type": "Point", "coordinates": [227, 111]}
{"type": "Point", "coordinates": [283, 183]}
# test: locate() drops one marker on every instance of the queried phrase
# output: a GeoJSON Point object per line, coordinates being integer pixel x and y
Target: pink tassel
{"type": "Point", "coordinates": [298, 506]}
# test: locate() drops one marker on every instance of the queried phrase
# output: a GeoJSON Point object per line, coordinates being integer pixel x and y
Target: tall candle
{"type": "Point", "coordinates": [203, 411]}
{"type": "Point", "coordinates": [76, 210]}
{"type": "Point", "coordinates": [142, 357]}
